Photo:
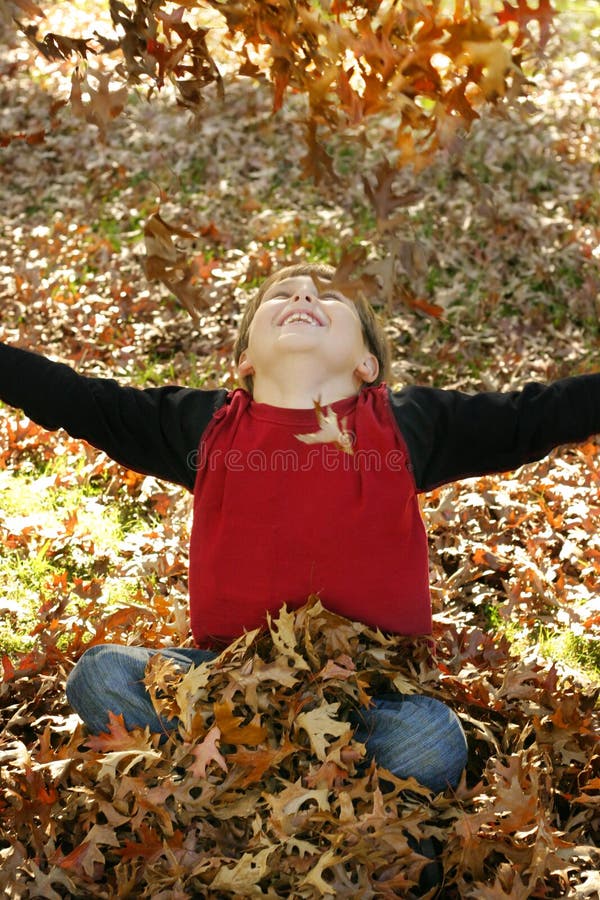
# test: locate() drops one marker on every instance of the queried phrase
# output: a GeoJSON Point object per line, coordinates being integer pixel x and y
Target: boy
{"type": "Point", "coordinates": [305, 481]}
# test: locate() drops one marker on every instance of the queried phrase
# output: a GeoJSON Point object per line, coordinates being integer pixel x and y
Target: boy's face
{"type": "Point", "coordinates": [294, 317]}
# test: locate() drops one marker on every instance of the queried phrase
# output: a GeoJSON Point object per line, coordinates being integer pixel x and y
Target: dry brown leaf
{"type": "Point", "coordinates": [330, 431]}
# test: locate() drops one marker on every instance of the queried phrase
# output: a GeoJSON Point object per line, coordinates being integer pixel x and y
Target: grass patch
{"type": "Point", "coordinates": [159, 369]}
{"type": "Point", "coordinates": [578, 652]}
{"type": "Point", "coordinates": [50, 532]}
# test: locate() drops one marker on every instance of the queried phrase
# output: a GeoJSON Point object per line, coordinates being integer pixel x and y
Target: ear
{"type": "Point", "coordinates": [244, 366]}
{"type": "Point", "coordinates": [368, 369]}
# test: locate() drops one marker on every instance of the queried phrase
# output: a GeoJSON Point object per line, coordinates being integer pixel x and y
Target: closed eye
{"type": "Point", "coordinates": [280, 295]}
{"type": "Point", "coordinates": [333, 295]}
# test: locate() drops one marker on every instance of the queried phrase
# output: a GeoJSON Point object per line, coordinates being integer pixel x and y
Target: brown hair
{"type": "Point", "coordinates": [376, 340]}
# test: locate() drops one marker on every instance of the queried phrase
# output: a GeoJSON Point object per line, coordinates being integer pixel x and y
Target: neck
{"type": "Point", "coordinates": [300, 390]}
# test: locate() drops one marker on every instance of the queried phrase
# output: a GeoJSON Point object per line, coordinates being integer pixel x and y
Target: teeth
{"type": "Point", "coordinates": [301, 317]}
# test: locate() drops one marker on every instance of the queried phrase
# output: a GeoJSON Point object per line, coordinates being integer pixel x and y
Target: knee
{"type": "Point", "coordinates": [419, 736]}
{"type": "Point", "coordinates": [90, 670]}
{"type": "Point", "coordinates": [439, 719]}
{"type": "Point", "coordinates": [445, 749]}
{"type": "Point", "coordinates": [83, 664]}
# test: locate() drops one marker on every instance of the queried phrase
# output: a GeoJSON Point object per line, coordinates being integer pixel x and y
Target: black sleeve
{"type": "Point", "coordinates": [452, 435]}
{"type": "Point", "coordinates": [154, 431]}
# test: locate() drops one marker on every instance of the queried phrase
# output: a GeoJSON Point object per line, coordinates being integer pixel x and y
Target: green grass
{"type": "Point", "coordinates": [576, 652]}
{"type": "Point", "coordinates": [579, 652]}
{"type": "Point", "coordinates": [160, 369]}
{"type": "Point", "coordinates": [39, 548]}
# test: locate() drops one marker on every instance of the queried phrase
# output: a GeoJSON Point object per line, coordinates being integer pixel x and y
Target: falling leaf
{"type": "Point", "coordinates": [382, 195]}
{"type": "Point", "coordinates": [523, 13]}
{"type": "Point", "coordinates": [165, 263]}
{"type": "Point", "coordinates": [103, 104]}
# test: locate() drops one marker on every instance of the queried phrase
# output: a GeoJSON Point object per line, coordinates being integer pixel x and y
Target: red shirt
{"type": "Point", "coordinates": [276, 520]}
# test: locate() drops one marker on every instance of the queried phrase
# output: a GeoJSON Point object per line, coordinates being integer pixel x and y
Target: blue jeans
{"type": "Point", "coordinates": [409, 734]}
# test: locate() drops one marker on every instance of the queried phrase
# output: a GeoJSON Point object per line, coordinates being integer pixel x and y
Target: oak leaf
{"type": "Point", "coordinates": [257, 762]}
{"type": "Point", "coordinates": [320, 722]}
{"type": "Point", "coordinates": [231, 729]}
{"type": "Point", "coordinates": [87, 858]}
{"type": "Point", "coordinates": [118, 737]}
{"type": "Point", "coordinates": [103, 105]}
{"type": "Point", "coordinates": [285, 638]}
{"type": "Point", "coordinates": [287, 815]}
{"type": "Point", "coordinates": [248, 871]}
{"type": "Point", "coordinates": [523, 14]}
{"type": "Point", "coordinates": [206, 753]}
{"type": "Point", "coordinates": [329, 431]}
{"type": "Point", "coordinates": [382, 195]}
{"type": "Point", "coordinates": [111, 763]}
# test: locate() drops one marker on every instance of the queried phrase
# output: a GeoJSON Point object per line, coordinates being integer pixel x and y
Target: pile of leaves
{"type": "Point", "coordinates": [261, 790]}
{"type": "Point", "coordinates": [430, 66]}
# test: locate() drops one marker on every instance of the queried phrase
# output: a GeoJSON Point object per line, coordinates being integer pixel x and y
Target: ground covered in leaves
{"type": "Point", "coordinates": [262, 792]}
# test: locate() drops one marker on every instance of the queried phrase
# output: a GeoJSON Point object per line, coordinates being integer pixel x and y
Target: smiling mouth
{"type": "Point", "coordinates": [301, 317]}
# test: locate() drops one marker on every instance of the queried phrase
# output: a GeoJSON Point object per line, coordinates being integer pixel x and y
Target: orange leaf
{"type": "Point", "coordinates": [259, 761]}
{"type": "Point", "coordinates": [150, 847]}
{"type": "Point", "coordinates": [431, 309]}
{"type": "Point", "coordinates": [232, 732]}
{"type": "Point", "coordinates": [8, 670]}
{"type": "Point", "coordinates": [117, 737]}
{"type": "Point", "coordinates": [523, 14]}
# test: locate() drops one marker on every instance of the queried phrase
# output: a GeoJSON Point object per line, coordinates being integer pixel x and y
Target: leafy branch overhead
{"type": "Point", "coordinates": [429, 66]}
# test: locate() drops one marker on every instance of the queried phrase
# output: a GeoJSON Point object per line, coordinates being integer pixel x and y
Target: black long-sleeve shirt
{"type": "Point", "coordinates": [449, 434]}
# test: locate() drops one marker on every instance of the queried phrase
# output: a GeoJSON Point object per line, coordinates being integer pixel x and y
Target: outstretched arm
{"type": "Point", "coordinates": [154, 431]}
{"type": "Point", "coordinates": [452, 435]}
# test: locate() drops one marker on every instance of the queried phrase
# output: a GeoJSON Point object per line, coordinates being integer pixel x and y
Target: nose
{"type": "Point", "coordinates": [302, 295]}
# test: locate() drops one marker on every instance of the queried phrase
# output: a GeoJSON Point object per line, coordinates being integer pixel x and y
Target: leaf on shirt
{"type": "Point", "coordinates": [329, 431]}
